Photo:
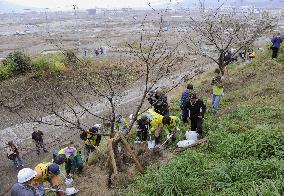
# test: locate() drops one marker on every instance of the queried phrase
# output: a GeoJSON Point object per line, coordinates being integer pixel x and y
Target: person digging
{"type": "Point", "coordinates": [72, 159]}
{"type": "Point", "coordinates": [91, 141]}
{"type": "Point", "coordinates": [157, 123]}
{"type": "Point", "coordinates": [47, 172]}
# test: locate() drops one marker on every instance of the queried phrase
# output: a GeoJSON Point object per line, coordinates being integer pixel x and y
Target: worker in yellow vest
{"type": "Point", "coordinates": [157, 123]}
{"type": "Point", "coordinates": [217, 90]}
{"type": "Point", "coordinates": [171, 123]}
{"type": "Point", "coordinates": [251, 54]}
{"type": "Point", "coordinates": [91, 141]}
{"type": "Point", "coordinates": [71, 157]}
{"type": "Point", "coordinates": [47, 172]}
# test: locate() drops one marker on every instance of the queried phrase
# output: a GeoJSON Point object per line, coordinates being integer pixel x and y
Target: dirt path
{"type": "Point", "coordinates": [55, 136]}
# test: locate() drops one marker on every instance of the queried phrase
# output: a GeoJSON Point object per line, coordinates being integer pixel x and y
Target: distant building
{"type": "Point", "coordinates": [92, 11]}
{"type": "Point", "coordinates": [126, 9]}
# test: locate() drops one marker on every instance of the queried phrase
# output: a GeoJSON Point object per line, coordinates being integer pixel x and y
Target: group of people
{"type": "Point", "coordinates": [13, 152]}
{"type": "Point", "coordinates": [151, 126]}
{"type": "Point", "coordinates": [32, 182]}
{"type": "Point", "coordinates": [247, 54]}
{"type": "Point", "coordinates": [193, 109]}
{"type": "Point", "coordinates": [97, 51]}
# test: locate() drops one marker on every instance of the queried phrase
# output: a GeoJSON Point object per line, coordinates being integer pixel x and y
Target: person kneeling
{"type": "Point", "coordinates": [172, 124]}
{"type": "Point", "coordinates": [72, 159]}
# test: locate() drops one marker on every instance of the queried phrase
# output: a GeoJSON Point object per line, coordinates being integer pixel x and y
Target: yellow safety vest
{"type": "Point", "coordinates": [156, 121]}
{"type": "Point", "coordinates": [91, 140]}
{"type": "Point", "coordinates": [174, 123]}
{"type": "Point", "coordinates": [41, 170]}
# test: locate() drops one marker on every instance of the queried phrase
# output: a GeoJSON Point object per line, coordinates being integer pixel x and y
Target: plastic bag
{"type": "Point", "coordinates": [71, 191]}
{"type": "Point", "coordinates": [185, 143]}
{"type": "Point", "coordinates": [68, 181]}
{"type": "Point", "coordinates": [191, 135]}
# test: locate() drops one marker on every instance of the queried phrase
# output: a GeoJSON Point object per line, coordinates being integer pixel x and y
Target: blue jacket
{"type": "Point", "coordinates": [185, 98]}
{"type": "Point", "coordinates": [276, 42]}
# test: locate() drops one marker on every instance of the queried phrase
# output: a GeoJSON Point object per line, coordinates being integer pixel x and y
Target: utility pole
{"type": "Point", "coordinates": [75, 8]}
{"type": "Point", "coordinates": [47, 25]}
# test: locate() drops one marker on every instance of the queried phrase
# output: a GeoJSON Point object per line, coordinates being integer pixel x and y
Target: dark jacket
{"type": "Point", "coordinates": [276, 42]}
{"type": "Point", "coordinates": [196, 109]}
{"type": "Point", "coordinates": [37, 136]}
{"type": "Point", "coordinates": [161, 105]}
{"type": "Point", "coordinates": [22, 190]}
{"type": "Point", "coordinates": [13, 152]}
{"type": "Point", "coordinates": [185, 98]}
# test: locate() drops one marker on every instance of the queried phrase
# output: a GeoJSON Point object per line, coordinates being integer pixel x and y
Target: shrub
{"type": "Point", "coordinates": [57, 67]}
{"type": "Point", "coordinates": [18, 61]}
{"type": "Point", "coordinates": [70, 58]}
{"type": "Point", "coordinates": [49, 63]}
{"type": "Point", "coordinates": [5, 72]}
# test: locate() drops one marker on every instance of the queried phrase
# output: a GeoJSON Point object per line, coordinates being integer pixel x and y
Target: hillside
{"type": "Point", "coordinates": [244, 155]}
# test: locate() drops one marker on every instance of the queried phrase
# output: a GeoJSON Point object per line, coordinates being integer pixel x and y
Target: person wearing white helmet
{"type": "Point", "coordinates": [24, 187]}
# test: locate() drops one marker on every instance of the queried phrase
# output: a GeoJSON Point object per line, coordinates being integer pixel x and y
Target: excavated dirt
{"type": "Point", "coordinates": [94, 181]}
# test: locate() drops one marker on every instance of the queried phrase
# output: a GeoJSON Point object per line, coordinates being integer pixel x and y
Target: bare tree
{"type": "Point", "coordinates": [152, 58]}
{"type": "Point", "coordinates": [217, 31]}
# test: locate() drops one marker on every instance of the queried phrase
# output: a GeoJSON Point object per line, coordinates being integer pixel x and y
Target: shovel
{"type": "Point", "coordinates": [170, 136]}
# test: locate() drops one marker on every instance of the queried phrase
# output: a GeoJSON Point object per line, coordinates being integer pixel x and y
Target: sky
{"type": "Point", "coordinates": [87, 3]}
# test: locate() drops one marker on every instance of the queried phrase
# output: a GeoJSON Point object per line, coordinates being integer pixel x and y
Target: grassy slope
{"type": "Point", "coordinates": [245, 152]}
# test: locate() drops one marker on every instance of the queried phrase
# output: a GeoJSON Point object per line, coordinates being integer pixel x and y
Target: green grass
{"type": "Point", "coordinates": [245, 152]}
{"type": "Point", "coordinates": [41, 65]}
{"type": "Point", "coordinates": [49, 63]}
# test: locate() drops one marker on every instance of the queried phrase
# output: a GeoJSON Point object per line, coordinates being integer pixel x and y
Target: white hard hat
{"type": "Point", "coordinates": [25, 175]}
{"type": "Point", "coordinates": [131, 116]}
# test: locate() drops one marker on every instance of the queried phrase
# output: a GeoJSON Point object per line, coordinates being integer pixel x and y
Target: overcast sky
{"type": "Point", "coordinates": [87, 3]}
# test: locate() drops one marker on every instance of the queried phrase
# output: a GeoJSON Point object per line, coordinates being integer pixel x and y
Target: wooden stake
{"type": "Point", "coordinates": [112, 157]}
{"type": "Point", "coordinates": [132, 154]}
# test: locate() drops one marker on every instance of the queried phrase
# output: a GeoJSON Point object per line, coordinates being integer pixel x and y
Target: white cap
{"type": "Point", "coordinates": [25, 175]}
{"type": "Point", "coordinates": [131, 116]}
{"type": "Point", "coordinates": [98, 125]}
